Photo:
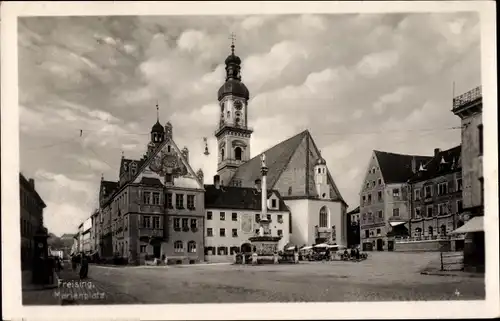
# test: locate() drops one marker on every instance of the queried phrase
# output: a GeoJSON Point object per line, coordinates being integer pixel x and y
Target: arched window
{"type": "Point", "coordinates": [319, 170]}
{"type": "Point", "coordinates": [323, 217]}
{"type": "Point", "coordinates": [222, 154]}
{"type": "Point", "coordinates": [418, 230]}
{"type": "Point", "coordinates": [192, 247]}
{"type": "Point", "coordinates": [431, 230]}
{"type": "Point", "coordinates": [178, 247]}
{"type": "Point", "coordinates": [443, 230]}
{"type": "Point", "coordinates": [290, 190]}
{"type": "Point", "coordinates": [237, 153]}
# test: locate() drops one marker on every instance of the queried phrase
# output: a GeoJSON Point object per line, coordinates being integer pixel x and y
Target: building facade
{"type": "Point", "coordinates": [31, 218]}
{"type": "Point", "coordinates": [86, 236]}
{"type": "Point", "coordinates": [436, 196]}
{"type": "Point", "coordinates": [296, 169]}
{"type": "Point", "coordinates": [353, 228]}
{"type": "Point", "coordinates": [156, 208]}
{"type": "Point", "coordinates": [469, 107]}
{"type": "Point", "coordinates": [233, 215]}
{"type": "Point", "coordinates": [384, 199]}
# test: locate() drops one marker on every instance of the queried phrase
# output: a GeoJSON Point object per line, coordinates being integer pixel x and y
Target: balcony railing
{"type": "Point", "coordinates": [429, 238]}
{"type": "Point", "coordinates": [467, 97]}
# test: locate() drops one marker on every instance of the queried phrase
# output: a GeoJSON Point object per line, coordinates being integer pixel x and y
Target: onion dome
{"type": "Point", "coordinates": [233, 84]}
{"type": "Point", "coordinates": [320, 160]}
{"type": "Point", "coordinates": [157, 128]}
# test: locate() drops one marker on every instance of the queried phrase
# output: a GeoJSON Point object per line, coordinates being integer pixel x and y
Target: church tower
{"type": "Point", "coordinates": [157, 134]}
{"type": "Point", "coordinates": [233, 134]}
{"type": "Point", "coordinates": [321, 179]}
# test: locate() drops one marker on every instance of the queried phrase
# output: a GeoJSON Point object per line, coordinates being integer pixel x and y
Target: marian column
{"type": "Point", "coordinates": [263, 216]}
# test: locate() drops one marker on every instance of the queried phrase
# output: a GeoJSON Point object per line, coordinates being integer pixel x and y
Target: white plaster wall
{"type": "Point", "coordinates": [300, 221]}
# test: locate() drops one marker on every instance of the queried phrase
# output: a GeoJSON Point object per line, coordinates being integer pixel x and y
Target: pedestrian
{"type": "Point", "coordinates": [254, 258]}
{"type": "Point", "coordinates": [84, 267]}
{"type": "Point", "coordinates": [73, 262]}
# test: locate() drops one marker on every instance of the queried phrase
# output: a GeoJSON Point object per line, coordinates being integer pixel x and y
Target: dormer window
{"type": "Point", "coordinates": [273, 203]}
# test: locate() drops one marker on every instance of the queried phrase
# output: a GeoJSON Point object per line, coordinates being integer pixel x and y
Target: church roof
{"type": "Point", "coordinates": [397, 168]}
{"type": "Point", "coordinates": [238, 198]}
{"type": "Point", "coordinates": [435, 167]}
{"type": "Point", "coordinates": [277, 158]}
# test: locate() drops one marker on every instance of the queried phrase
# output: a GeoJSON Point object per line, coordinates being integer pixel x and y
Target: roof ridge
{"type": "Point", "coordinates": [399, 154]}
{"type": "Point", "coordinates": [282, 142]}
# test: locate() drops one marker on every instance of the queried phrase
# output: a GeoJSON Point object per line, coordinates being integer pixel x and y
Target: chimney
{"type": "Point", "coordinates": [436, 152]}
{"type": "Point", "coordinates": [32, 183]}
{"type": "Point", "coordinates": [217, 181]}
{"type": "Point", "coordinates": [413, 165]}
{"type": "Point", "coordinates": [185, 153]}
{"type": "Point", "coordinates": [258, 183]}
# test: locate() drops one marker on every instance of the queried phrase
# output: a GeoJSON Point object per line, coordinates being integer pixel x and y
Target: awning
{"type": "Point", "coordinates": [396, 223]}
{"type": "Point", "coordinates": [475, 224]}
{"type": "Point", "coordinates": [306, 248]}
{"type": "Point", "coordinates": [321, 245]}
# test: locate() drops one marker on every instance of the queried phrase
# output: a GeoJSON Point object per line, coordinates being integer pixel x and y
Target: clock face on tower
{"type": "Point", "coordinates": [238, 105]}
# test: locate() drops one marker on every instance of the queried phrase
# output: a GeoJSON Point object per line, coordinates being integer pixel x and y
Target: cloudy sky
{"type": "Point", "coordinates": [357, 82]}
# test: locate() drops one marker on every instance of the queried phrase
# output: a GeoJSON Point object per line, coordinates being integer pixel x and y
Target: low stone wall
{"type": "Point", "coordinates": [219, 258]}
{"type": "Point", "coordinates": [424, 246]}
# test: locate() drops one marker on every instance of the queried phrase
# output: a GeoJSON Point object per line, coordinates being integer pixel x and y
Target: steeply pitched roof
{"type": "Point", "coordinates": [354, 211]}
{"type": "Point", "coordinates": [127, 161]}
{"type": "Point", "coordinates": [151, 181]}
{"type": "Point", "coordinates": [434, 167]}
{"type": "Point", "coordinates": [397, 168]}
{"type": "Point", "coordinates": [238, 198]}
{"type": "Point", "coordinates": [110, 186]}
{"type": "Point", "coordinates": [277, 158]}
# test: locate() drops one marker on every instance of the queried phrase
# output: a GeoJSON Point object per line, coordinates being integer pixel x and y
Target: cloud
{"type": "Point", "coordinates": [357, 82]}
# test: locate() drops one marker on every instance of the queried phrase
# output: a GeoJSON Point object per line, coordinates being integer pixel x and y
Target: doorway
{"type": "Point", "coordinates": [246, 248]}
{"type": "Point", "coordinates": [157, 250]}
{"type": "Point", "coordinates": [380, 245]}
{"type": "Point", "coordinates": [390, 245]}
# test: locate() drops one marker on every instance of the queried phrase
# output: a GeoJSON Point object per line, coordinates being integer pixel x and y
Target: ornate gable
{"type": "Point", "coordinates": [169, 164]}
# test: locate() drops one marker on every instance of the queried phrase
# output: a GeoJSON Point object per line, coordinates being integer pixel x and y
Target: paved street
{"type": "Point", "coordinates": [384, 276]}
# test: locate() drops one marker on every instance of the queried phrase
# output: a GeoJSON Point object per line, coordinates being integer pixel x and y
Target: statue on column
{"type": "Point", "coordinates": [263, 160]}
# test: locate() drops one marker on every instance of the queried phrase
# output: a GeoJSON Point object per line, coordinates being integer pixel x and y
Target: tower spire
{"type": "Point", "coordinates": [157, 112]}
{"type": "Point", "coordinates": [233, 38]}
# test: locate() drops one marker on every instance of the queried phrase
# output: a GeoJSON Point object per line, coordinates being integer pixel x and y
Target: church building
{"type": "Point", "coordinates": [297, 172]}
{"type": "Point", "coordinates": [156, 207]}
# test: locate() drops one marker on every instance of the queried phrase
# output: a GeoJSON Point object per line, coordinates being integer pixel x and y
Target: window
{"type": "Point", "coordinates": [429, 211]}
{"type": "Point", "coordinates": [417, 194]}
{"type": "Point", "coordinates": [268, 217]}
{"type": "Point", "coordinates": [209, 216]}
{"type": "Point", "coordinates": [156, 222]}
{"type": "Point", "coordinates": [428, 191]}
{"type": "Point", "coordinates": [280, 232]}
{"type": "Point", "coordinates": [222, 216]}
{"type": "Point", "coordinates": [364, 199]}
{"type": "Point", "coordinates": [237, 153]}
{"type": "Point", "coordinates": [143, 248]}
{"type": "Point", "coordinates": [178, 247]}
{"type": "Point", "coordinates": [169, 200]}
{"type": "Point", "coordinates": [380, 196]}
{"type": "Point", "coordinates": [323, 217]}
{"type": "Point", "coordinates": [319, 170]}
{"type": "Point", "coordinates": [168, 178]}
{"type": "Point", "coordinates": [442, 188]}
{"type": "Point", "coordinates": [179, 201]}
{"type": "Point", "coordinates": [146, 198]}
{"type": "Point", "coordinates": [431, 231]}
{"type": "Point", "coordinates": [378, 231]}
{"type": "Point", "coordinates": [222, 154]}
{"type": "Point", "coordinates": [380, 181]}
{"type": "Point", "coordinates": [222, 232]}
{"type": "Point", "coordinates": [367, 185]}
{"type": "Point", "coordinates": [290, 191]}
{"type": "Point", "coordinates": [156, 198]}
{"type": "Point", "coordinates": [442, 209]}
{"type": "Point", "coordinates": [380, 214]}
{"type": "Point", "coordinates": [417, 212]}
{"type": "Point", "coordinates": [191, 247]}
{"type": "Point", "coordinates": [369, 198]}
{"type": "Point", "coordinates": [395, 193]}
{"type": "Point", "coordinates": [480, 132]}
{"type": "Point", "coordinates": [190, 202]}
{"type": "Point", "coordinates": [146, 222]}
{"type": "Point", "coordinates": [459, 206]}
{"type": "Point", "coordinates": [273, 203]}
{"type": "Point", "coordinates": [257, 218]}
{"type": "Point", "coordinates": [459, 184]}
{"type": "Point", "coordinates": [210, 231]}
{"type": "Point", "coordinates": [373, 184]}
{"type": "Point", "coordinates": [364, 217]}
{"type": "Point", "coordinates": [185, 223]}
{"type": "Point", "coordinates": [177, 223]}
{"type": "Point", "coordinates": [367, 234]}
{"type": "Point", "coordinates": [234, 216]}
{"type": "Point", "coordinates": [395, 212]}
{"type": "Point", "coordinates": [235, 232]}
{"type": "Point", "coordinates": [280, 218]}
